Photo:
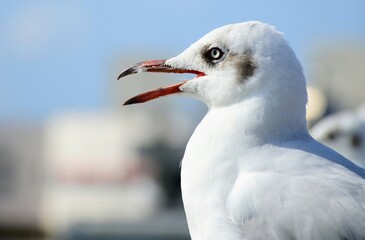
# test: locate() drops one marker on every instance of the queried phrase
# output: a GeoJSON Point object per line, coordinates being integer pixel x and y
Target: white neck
{"type": "Point", "coordinates": [252, 122]}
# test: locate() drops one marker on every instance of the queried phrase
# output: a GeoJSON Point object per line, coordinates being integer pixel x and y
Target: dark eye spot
{"type": "Point", "coordinates": [356, 140]}
{"type": "Point", "coordinates": [248, 66]}
{"type": "Point", "coordinates": [245, 64]}
{"type": "Point", "coordinates": [214, 55]}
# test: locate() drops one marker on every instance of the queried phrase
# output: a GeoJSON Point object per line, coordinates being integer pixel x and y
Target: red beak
{"type": "Point", "coordinates": [155, 66]}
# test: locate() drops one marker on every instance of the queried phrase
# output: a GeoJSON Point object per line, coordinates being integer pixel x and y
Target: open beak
{"type": "Point", "coordinates": [156, 66]}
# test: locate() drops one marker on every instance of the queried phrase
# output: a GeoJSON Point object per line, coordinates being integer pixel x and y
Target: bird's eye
{"type": "Point", "coordinates": [214, 54]}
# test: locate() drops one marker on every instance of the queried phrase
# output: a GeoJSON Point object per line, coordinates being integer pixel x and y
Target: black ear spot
{"type": "Point", "coordinates": [247, 65]}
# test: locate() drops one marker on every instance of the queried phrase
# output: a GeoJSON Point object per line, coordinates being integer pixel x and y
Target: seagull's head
{"type": "Point", "coordinates": [233, 63]}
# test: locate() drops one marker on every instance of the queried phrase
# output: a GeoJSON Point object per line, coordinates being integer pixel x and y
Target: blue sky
{"type": "Point", "coordinates": [57, 55]}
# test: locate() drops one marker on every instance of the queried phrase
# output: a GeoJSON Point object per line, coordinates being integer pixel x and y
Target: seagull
{"type": "Point", "coordinates": [251, 170]}
{"type": "Point", "coordinates": [344, 131]}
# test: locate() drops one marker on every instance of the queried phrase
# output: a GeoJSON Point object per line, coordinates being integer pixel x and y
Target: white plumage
{"type": "Point", "coordinates": [251, 170]}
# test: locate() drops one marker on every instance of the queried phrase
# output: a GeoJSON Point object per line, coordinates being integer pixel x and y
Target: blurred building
{"type": "Point", "coordinates": [89, 171]}
{"type": "Point", "coordinates": [21, 179]}
{"type": "Point", "coordinates": [95, 172]}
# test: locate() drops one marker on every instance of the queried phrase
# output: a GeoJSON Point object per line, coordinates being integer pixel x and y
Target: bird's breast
{"type": "Point", "coordinates": [208, 172]}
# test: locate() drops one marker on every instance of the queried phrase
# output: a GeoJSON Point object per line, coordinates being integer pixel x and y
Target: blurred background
{"type": "Point", "coordinates": [75, 164]}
